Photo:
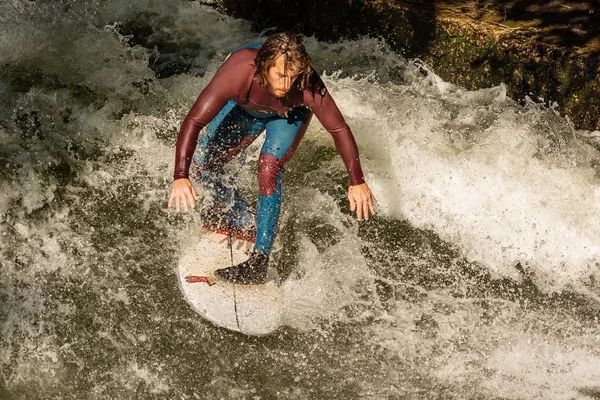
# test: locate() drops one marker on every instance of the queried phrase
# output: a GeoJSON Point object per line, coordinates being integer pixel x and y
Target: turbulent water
{"type": "Point", "coordinates": [478, 278]}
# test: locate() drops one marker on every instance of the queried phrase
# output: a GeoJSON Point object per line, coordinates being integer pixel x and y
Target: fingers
{"type": "Point", "coordinates": [184, 200]}
{"type": "Point", "coordinates": [362, 200]}
{"type": "Point", "coordinates": [352, 203]}
{"type": "Point", "coordinates": [372, 205]}
{"type": "Point", "coordinates": [359, 210]}
{"type": "Point", "coordinates": [174, 199]}
{"type": "Point", "coordinates": [366, 207]}
{"type": "Point", "coordinates": [183, 194]}
{"type": "Point", "coordinates": [187, 198]}
{"type": "Point", "coordinates": [359, 204]}
{"type": "Point", "coordinates": [369, 205]}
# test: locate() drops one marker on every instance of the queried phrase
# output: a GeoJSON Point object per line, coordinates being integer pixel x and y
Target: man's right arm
{"type": "Point", "coordinates": [229, 81]}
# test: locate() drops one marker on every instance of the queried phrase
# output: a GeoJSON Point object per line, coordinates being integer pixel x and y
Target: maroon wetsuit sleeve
{"type": "Point", "coordinates": [230, 82]}
{"type": "Point", "coordinates": [328, 113]}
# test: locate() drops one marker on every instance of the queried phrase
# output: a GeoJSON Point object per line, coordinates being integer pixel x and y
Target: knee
{"type": "Point", "coordinates": [268, 171]}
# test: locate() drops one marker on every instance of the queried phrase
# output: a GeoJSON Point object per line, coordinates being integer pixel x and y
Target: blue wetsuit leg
{"type": "Point", "coordinates": [280, 135]}
{"type": "Point", "coordinates": [226, 131]}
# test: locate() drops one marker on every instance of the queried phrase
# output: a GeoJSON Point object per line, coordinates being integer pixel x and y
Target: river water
{"type": "Point", "coordinates": [478, 278]}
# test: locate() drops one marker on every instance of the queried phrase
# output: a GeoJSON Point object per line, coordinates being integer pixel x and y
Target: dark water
{"type": "Point", "coordinates": [478, 278]}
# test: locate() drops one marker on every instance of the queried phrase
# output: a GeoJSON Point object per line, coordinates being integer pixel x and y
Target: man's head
{"type": "Point", "coordinates": [281, 61]}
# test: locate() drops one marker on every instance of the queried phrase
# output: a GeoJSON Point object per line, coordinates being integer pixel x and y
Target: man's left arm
{"type": "Point", "coordinates": [359, 194]}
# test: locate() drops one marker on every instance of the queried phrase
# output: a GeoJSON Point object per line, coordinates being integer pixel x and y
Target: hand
{"type": "Point", "coordinates": [362, 200]}
{"type": "Point", "coordinates": [183, 193]}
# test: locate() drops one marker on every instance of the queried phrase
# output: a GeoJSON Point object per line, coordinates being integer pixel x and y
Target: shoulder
{"type": "Point", "coordinates": [238, 66]}
{"type": "Point", "coordinates": [316, 85]}
{"type": "Point", "coordinates": [234, 77]}
{"type": "Point", "coordinates": [244, 56]}
{"type": "Point", "coordinates": [315, 89]}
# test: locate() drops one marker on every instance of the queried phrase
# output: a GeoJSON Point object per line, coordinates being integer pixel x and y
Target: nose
{"type": "Point", "coordinates": [287, 82]}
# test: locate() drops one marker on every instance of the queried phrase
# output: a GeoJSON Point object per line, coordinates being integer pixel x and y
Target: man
{"type": "Point", "coordinates": [270, 88]}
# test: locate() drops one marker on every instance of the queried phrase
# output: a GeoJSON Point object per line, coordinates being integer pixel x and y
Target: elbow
{"type": "Point", "coordinates": [335, 131]}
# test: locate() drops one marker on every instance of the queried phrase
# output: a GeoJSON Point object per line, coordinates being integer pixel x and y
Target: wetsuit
{"type": "Point", "coordinates": [237, 109]}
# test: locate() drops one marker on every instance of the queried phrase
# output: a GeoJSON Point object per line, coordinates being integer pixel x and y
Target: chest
{"type": "Point", "coordinates": [261, 100]}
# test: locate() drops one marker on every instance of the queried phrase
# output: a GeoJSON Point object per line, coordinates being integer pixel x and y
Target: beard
{"type": "Point", "coordinates": [279, 93]}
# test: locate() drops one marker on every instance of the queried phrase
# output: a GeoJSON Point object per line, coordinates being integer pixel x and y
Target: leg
{"type": "Point", "coordinates": [283, 137]}
{"type": "Point", "coordinates": [270, 173]}
{"type": "Point", "coordinates": [227, 135]}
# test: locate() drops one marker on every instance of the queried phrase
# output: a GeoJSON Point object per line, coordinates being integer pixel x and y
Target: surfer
{"type": "Point", "coordinates": [270, 88]}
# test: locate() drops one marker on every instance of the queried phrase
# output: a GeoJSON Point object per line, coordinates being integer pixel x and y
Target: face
{"type": "Point", "coordinates": [279, 78]}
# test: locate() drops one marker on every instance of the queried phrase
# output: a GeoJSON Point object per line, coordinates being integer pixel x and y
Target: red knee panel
{"type": "Point", "coordinates": [268, 169]}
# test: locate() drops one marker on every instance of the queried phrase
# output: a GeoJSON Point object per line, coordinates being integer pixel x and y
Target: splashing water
{"type": "Point", "coordinates": [478, 278]}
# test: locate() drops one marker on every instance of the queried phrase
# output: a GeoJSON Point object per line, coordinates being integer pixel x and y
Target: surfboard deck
{"type": "Point", "coordinates": [250, 309]}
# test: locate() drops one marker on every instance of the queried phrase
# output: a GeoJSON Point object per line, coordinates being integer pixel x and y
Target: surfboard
{"type": "Point", "coordinates": [251, 309]}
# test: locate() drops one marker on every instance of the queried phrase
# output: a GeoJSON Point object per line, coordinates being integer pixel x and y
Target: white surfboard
{"type": "Point", "coordinates": [250, 309]}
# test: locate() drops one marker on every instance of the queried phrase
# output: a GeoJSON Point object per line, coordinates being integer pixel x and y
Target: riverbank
{"type": "Point", "coordinates": [548, 52]}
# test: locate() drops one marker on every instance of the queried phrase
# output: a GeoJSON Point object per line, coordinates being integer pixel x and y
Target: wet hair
{"type": "Point", "coordinates": [296, 57]}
